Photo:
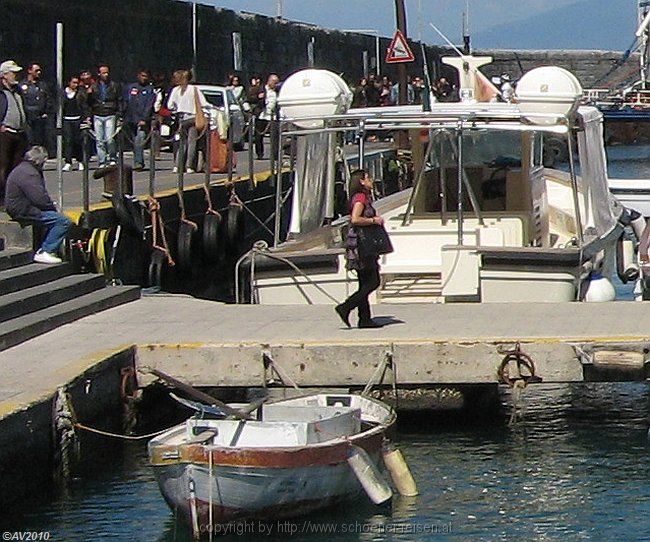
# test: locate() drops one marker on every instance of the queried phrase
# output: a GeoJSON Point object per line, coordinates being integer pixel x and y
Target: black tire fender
{"type": "Point", "coordinates": [235, 224]}
{"type": "Point", "coordinates": [184, 245]}
{"type": "Point", "coordinates": [211, 228]}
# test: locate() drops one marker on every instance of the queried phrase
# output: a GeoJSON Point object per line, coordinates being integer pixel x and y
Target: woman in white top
{"type": "Point", "coordinates": [234, 85]}
{"type": "Point", "coordinates": [182, 101]}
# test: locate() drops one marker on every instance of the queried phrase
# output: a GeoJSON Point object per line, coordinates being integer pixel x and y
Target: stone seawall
{"type": "Point", "coordinates": [158, 34]}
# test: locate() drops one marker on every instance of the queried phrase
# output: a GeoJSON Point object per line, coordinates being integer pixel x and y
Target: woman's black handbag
{"type": "Point", "coordinates": [373, 241]}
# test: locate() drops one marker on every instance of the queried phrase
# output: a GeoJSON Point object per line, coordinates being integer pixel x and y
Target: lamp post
{"type": "Point", "coordinates": [376, 34]}
{"type": "Point", "coordinates": [194, 41]}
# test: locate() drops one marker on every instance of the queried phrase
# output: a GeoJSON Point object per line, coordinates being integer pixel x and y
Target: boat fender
{"type": "Point", "coordinates": [626, 266]}
{"type": "Point", "coordinates": [194, 515]}
{"type": "Point", "coordinates": [600, 289]}
{"type": "Point", "coordinates": [184, 245]}
{"type": "Point", "coordinates": [372, 481]}
{"type": "Point", "coordinates": [399, 472]}
{"type": "Point", "coordinates": [211, 228]}
{"type": "Point", "coordinates": [639, 225]}
{"type": "Point", "coordinates": [235, 223]}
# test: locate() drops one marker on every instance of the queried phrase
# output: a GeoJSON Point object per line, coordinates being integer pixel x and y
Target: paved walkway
{"type": "Point", "coordinates": [36, 368]}
{"type": "Point", "coordinates": [165, 178]}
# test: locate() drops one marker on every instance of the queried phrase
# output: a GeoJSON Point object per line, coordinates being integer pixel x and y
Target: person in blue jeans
{"type": "Point", "coordinates": [139, 98]}
{"type": "Point", "coordinates": [104, 101]}
{"type": "Point", "coordinates": [28, 202]}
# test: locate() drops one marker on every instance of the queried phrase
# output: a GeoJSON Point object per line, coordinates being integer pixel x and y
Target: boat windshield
{"type": "Point", "coordinates": [495, 168]}
{"type": "Point", "coordinates": [479, 148]}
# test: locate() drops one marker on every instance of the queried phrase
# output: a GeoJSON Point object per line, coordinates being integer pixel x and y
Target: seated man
{"type": "Point", "coordinates": [28, 202]}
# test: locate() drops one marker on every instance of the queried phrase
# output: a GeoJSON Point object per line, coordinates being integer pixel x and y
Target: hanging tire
{"type": "Point", "coordinates": [211, 227]}
{"type": "Point", "coordinates": [156, 266]}
{"type": "Point", "coordinates": [235, 224]}
{"type": "Point", "coordinates": [184, 245]}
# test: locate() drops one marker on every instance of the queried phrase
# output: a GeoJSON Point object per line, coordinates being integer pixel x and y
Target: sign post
{"type": "Point", "coordinates": [400, 17]}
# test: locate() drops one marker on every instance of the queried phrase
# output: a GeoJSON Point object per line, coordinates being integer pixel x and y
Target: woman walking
{"type": "Point", "coordinates": [183, 100]}
{"type": "Point", "coordinates": [362, 214]}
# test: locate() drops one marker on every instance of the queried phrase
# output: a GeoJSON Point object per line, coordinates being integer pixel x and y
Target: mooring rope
{"type": "Point", "coordinates": [117, 435]}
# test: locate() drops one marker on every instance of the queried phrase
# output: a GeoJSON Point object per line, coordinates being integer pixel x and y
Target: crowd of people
{"type": "Point", "coordinates": [97, 102]}
{"type": "Point", "coordinates": [377, 91]}
{"type": "Point", "coordinates": [104, 107]}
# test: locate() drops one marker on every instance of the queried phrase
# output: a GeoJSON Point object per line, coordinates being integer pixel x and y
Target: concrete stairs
{"type": "Point", "coordinates": [36, 298]}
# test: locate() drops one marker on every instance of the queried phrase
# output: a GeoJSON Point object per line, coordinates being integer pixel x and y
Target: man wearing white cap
{"type": "Point", "coordinates": [13, 139]}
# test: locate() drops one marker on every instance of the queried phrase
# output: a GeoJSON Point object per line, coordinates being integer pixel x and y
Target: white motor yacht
{"type": "Point", "coordinates": [485, 220]}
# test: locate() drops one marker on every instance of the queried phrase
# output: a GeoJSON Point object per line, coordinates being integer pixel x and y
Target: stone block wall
{"type": "Point", "coordinates": [157, 34]}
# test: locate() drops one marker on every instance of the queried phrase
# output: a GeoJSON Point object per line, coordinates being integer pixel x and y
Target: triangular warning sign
{"type": "Point", "coordinates": [399, 50]}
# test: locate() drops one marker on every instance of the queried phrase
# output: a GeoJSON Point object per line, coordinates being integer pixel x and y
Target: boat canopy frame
{"type": "Point", "coordinates": [457, 118]}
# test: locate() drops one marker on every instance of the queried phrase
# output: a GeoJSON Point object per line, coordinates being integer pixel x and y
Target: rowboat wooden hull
{"type": "Point", "coordinates": [208, 485]}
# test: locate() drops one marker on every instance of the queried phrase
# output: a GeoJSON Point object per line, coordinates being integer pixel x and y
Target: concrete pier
{"type": "Point", "coordinates": [210, 344]}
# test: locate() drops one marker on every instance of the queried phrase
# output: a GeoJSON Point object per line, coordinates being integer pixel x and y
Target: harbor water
{"type": "Point", "coordinates": [574, 464]}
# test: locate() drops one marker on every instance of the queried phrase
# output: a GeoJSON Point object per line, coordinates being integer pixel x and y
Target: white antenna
{"type": "Point", "coordinates": [643, 26]}
{"type": "Point", "coordinates": [447, 40]}
{"type": "Point", "coordinates": [279, 9]}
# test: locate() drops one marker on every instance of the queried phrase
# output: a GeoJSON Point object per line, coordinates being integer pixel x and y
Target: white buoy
{"type": "Point", "coordinates": [626, 266]}
{"type": "Point", "coordinates": [400, 472]}
{"type": "Point", "coordinates": [639, 225]}
{"type": "Point", "coordinates": [369, 476]}
{"type": "Point", "coordinates": [600, 289]}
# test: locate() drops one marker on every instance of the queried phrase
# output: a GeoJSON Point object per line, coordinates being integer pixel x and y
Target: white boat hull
{"type": "Point", "coordinates": [290, 461]}
{"type": "Point", "coordinates": [238, 493]}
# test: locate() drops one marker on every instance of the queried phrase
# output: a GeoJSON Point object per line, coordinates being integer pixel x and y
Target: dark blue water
{"type": "Point", "coordinates": [575, 466]}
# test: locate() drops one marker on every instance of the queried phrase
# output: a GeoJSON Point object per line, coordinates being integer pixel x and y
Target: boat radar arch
{"type": "Point", "coordinates": [547, 94]}
{"type": "Point", "coordinates": [467, 67]}
{"type": "Point", "coordinates": [311, 93]}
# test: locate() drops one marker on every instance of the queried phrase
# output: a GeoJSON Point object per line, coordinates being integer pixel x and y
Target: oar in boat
{"type": "Point", "coordinates": [239, 414]}
{"type": "Point", "coordinates": [199, 407]}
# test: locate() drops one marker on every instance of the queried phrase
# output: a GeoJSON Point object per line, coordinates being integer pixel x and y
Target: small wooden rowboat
{"type": "Point", "coordinates": [293, 457]}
